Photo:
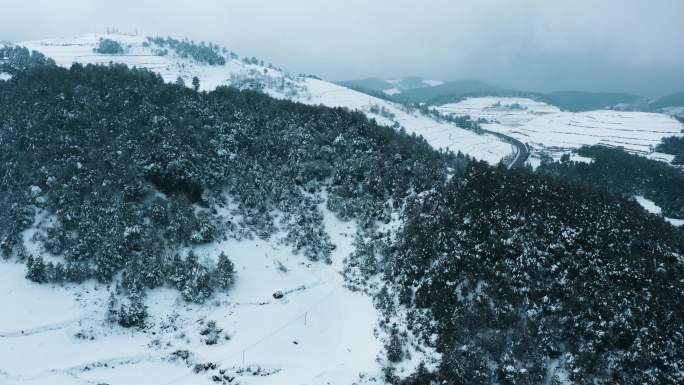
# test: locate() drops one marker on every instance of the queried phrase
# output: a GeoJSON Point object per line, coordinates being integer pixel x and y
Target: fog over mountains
{"type": "Point", "coordinates": [612, 46]}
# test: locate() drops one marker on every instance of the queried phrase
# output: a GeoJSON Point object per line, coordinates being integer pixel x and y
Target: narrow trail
{"type": "Point", "coordinates": [39, 329]}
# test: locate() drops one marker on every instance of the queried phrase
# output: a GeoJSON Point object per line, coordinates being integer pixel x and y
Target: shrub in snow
{"type": "Point", "coordinates": [183, 355]}
{"type": "Point", "coordinates": [134, 313]}
{"type": "Point", "coordinates": [108, 47]}
{"type": "Point", "coordinates": [394, 349]}
{"type": "Point", "coordinates": [211, 333]}
{"type": "Point", "coordinates": [206, 53]}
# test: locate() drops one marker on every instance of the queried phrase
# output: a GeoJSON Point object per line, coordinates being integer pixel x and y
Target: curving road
{"type": "Point", "coordinates": [523, 149]}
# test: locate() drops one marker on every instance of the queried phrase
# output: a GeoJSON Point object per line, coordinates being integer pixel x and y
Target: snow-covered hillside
{"type": "Point", "coordinates": [548, 129]}
{"type": "Point", "coordinates": [319, 332]}
{"type": "Point", "coordinates": [276, 82]}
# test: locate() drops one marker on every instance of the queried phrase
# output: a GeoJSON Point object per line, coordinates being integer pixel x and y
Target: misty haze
{"type": "Point", "coordinates": [336, 193]}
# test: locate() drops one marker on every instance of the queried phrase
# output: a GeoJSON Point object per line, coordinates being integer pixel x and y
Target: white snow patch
{"type": "Point", "coordinates": [579, 158]}
{"type": "Point", "coordinates": [433, 83]}
{"type": "Point", "coordinates": [392, 91]}
{"type": "Point", "coordinates": [662, 157]}
{"type": "Point", "coordinates": [653, 208]}
{"type": "Point", "coordinates": [648, 205]}
{"type": "Point", "coordinates": [5, 76]}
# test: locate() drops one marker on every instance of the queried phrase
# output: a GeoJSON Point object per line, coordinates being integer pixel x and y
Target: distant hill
{"type": "Point", "coordinates": [414, 89]}
{"type": "Point", "coordinates": [371, 84]}
{"type": "Point", "coordinates": [390, 87]}
{"type": "Point", "coordinates": [452, 88]}
{"type": "Point", "coordinates": [674, 100]}
{"type": "Point", "coordinates": [586, 101]}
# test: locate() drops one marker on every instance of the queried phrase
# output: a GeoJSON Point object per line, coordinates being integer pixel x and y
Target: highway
{"type": "Point", "coordinates": [523, 150]}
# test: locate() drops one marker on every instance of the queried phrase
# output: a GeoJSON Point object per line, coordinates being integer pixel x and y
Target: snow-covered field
{"type": "Point", "coordinates": [319, 333]}
{"type": "Point", "coordinates": [546, 128]}
{"type": "Point", "coordinates": [277, 83]}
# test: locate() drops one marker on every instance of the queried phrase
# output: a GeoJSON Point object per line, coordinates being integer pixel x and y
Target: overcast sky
{"type": "Point", "coordinates": [611, 45]}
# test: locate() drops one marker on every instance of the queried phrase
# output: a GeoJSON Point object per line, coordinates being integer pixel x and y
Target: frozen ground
{"type": "Point", "coordinates": [277, 83]}
{"type": "Point", "coordinates": [319, 333]}
{"type": "Point", "coordinates": [547, 129]}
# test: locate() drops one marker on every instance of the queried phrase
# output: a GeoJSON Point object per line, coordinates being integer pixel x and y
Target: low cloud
{"type": "Point", "coordinates": [611, 45]}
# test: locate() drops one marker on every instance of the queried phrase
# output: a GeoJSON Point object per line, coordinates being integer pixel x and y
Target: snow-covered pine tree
{"type": "Point", "coordinates": [224, 273]}
{"type": "Point", "coordinates": [197, 281]}
{"type": "Point", "coordinates": [36, 271]}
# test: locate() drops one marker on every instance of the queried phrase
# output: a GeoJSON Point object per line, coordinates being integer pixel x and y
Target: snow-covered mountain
{"type": "Point", "coordinates": [286, 320]}
{"type": "Point", "coordinates": [138, 51]}
{"type": "Point", "coordinates": [284, 316]}
{"type": "Point", "coordinates": [432, 245]}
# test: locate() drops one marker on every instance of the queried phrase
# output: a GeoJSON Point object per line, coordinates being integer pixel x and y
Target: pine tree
{"type": "Point", "coordinates": [36, 271]}
{"type": "Point", "coordinates": [58, 274]}
{"type": "Point", "coordinates": [195, 83]}
{"type": "Point", "coordinates": [180, 81]}
{"type": "Point", "coordinates": [224, 273]}
{"type": "Point", "coordinates": [197, 281]}
{"type": "Point", "coordinates": [112, 305]}
{"type": "Point", "coordinates": [176, 272]}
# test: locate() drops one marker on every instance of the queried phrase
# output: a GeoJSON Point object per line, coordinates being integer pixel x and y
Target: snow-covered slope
{"type": "Point", "coordinates": [318, 333]}
{"type": "Point", "coordinates": [277, 83]}
{"type": "Point", "coordinates": [438, 134]}
{"type": "Point", "coordinates": [548, 129]}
